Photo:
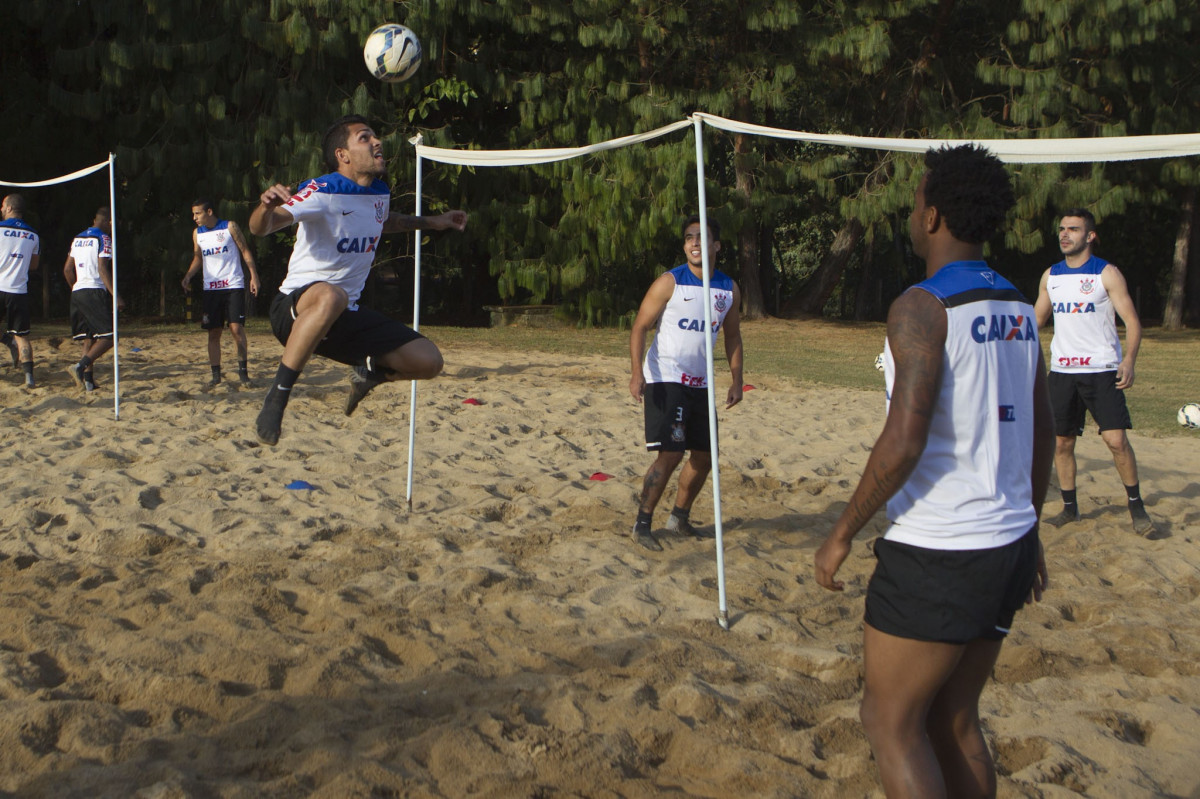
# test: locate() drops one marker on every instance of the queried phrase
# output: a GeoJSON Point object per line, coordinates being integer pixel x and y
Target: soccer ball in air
{"type": "Point", "coordinates": [392, 53]}
{"type": "Point", "coordinates": [1189, 415]}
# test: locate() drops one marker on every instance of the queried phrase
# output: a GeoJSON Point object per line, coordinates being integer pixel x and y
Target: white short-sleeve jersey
{"type": "Point", "coordinates": [18, 244]}
{"type": "Point", "coordinates": [339, 227]}
{"type": "Point", "coordinates": [87, 249]}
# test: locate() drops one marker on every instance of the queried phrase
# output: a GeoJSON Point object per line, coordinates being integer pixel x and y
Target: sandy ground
{"type": "Point", "coordinates": [176, 622]}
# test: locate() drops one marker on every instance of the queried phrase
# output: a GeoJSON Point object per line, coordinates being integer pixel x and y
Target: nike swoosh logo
{"type": "Point", "coordinates": [688, 299]}
{"type": "Point", "coordinates": [346, 213]}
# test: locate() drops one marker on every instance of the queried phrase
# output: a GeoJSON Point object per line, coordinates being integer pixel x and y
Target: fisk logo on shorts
{"type": "Point", "coordinates": [1003, 327]}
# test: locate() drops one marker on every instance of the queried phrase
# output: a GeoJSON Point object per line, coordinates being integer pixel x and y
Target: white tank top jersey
{"type": "Point", "coordinates": [1085, 324]}
{"type": "Point", "coordinates": [971, 488]}
{"type": "Point", "coordinates": [18, 244]}
{"type": "Point", "coordinates": [677, 353]}
{"type": "Point", "coordinates": [87, 249]}
{"type": "Point", "coordinates": [340, 224]}
{"type": "Point", "coordinates": [221, 258]}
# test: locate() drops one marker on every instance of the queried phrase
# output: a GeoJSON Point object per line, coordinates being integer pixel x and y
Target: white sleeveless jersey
{"type": "Point", "coordinates": [971, 488]}
{"type": "Point", "coordinates": [340, 224]}
{"type": "Point", "coordinates": [87, 249]}
{"type": "Point", "coordinates": [1085, 324]}
{"type": "Point", "coordinates": [221, 258]}
{"type": "Point", "coordinates": [677, 353]}
{"type": "Point", "coordinates": [18, 244]}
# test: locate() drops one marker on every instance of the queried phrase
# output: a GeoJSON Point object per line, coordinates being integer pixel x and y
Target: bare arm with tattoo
{"type": "Point", "coordinates": [916, 332]}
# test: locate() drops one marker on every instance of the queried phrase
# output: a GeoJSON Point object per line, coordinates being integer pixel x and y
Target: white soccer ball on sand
{"type": "Point", "coordinates": [1189, 415]}
{"type": "Point", "coordinates": [392, 53]}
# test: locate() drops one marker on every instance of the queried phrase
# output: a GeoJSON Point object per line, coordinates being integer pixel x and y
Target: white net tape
{"type": "Point", "coordinates": [64, 179]}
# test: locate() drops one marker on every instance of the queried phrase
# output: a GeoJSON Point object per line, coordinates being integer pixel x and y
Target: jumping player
{"type": "Point", "coordinates": [963, 464]}
{"type": "Point", "coordinates": [340, 218]}
{"type": "Point", "coordinates": [20, 250]}
{"type": "Point", "coordinates": [672, 378]}
{"type": "Point", "coordinates": [1088, 372]}
{"type": "Point", "coordinates": [88, 271]}
{"type": "Point", "coordinates": [219, 246]}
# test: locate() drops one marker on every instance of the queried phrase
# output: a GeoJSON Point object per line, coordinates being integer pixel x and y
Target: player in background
{"type": "Point", "coordinates": [20, 250]}
{"type": "Point", "coordinates": [340, 217]}
{"type": "Point", "coordinates": [88, 271]}
{"type": "Point", "coordinates": [1084, 294]}
{"type": "Point", "coordinates": [671, 380]}
{"type": "Point", "coordinates": [219, 247]}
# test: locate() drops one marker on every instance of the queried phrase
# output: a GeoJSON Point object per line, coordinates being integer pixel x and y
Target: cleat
{"type": "Point", "coordinates": [642, 535]}
{"type": "Point", "coordinates": [362, 381]}
{"type": "Point", "coordinates": [683, 527]}
{"type": "Point", "coordinates": [1143, 525]}
{"type": "Point", "coordinates": [76, 373]}
{"type": "Point", "coordinates": [1065, 516]}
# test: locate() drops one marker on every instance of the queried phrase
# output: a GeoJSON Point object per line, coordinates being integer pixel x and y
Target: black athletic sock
{"type": "Point", "coordinates": [645, 518]}
{"type": "Point", "coordinates": [680, 513]}
{"type": "Point", "coordinates": [1134, 494]}
{"type": "Point", "coordinates": [216, 372]}
{"type": "Point", "coordinates": [1068, 497]}
{"type": "Point", "coordinates": [242, 365]}
{"type": "Point", "coordinates": [86, 363]}
{"type": "Point", "coordinates": [270, 418]}
{"type": "Point", "coordinates": [27, 367]}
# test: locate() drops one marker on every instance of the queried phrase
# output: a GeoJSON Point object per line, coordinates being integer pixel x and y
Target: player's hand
{"type": "Point", "coordinates": [734, 396]}
{"type": "Point", "coordinates": [120, 304]}
{"type": "Point", "coordinates": [1041, 580]}
{"type": "Point", "coordinates": [276, 195]}
{"type": "Point", "coordinates": [254, 286]}
{"type": "Point", "coordinates": [828, 560]}
{"type": "Point", "coordinates": [451, 219]}
{"type": "Point", "coordinates": [637, 386]}
{"type": "Point", "coordinates": [1125, 375]}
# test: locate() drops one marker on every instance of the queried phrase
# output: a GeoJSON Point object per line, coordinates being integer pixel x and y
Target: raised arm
{"type": "Point", "coordinates": [270, 215]}
{"type": "Point", "coordinates": [916, 332]}
{"type": "Point", "coordinates": [401, 223]}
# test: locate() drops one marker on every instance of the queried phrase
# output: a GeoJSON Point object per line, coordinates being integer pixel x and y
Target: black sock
{"type": "Point", "coordinates": [242, 367]}
{"type": "Point", "coordinates": [27, 368]}
{"type": "Point", "coordinates": [1134, 494]}
{"type": "Point", "coordinates": [680, 513]}
{"type": "Point", "coordinates": [86, 363]}
{"type": "Point", "coordinates": [1069, 497]}
{"type": "Point", "coordinates": [644, 517]}
{"type": "Point", "coordinates": [216, 371]}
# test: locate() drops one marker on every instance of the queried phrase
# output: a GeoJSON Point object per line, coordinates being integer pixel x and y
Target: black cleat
{"type": "Point", "coordinates": [362, 381]}
{"type": "Point", "coordinates": [642, 535]}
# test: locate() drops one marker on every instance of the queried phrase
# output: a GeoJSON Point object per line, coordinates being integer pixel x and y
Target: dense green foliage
{"type": "Point", "coordinates": [221, 98]}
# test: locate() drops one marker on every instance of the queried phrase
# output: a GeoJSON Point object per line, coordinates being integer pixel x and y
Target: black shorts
{"type": "Point", "coordinates": [676, 418]}
{"type": "Point", "coordinates": [221, 306]}
{"type": "Point", "coordinates": [355, 335]}
{"type": "Point", "coordinates": [91, 313]}
{"type": "Point", "coordinates": [950, 596]}
{"type": "Point", "coordinates": [1072, 394]}
{"type": "Point", "coordinates": [16, 313]}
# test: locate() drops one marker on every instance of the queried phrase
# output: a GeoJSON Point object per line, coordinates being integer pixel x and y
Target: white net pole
{"type": "Point", "coordinates": [416, 325]}
{"type": "Point", "coordinates": [722, 609]}
{"type": "Point", "coordinates": [116, 349]}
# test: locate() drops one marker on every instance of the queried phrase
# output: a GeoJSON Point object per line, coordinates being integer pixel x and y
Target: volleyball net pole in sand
{"type": "Point", "coordinates": [112, 211]}
{"type": "Point", "coordinates": [1017, 151]}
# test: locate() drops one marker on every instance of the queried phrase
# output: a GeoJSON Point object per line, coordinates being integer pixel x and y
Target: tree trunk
{"type": "Point", "coordinates": [864, 299]}
{"type": "Point", "coordinates": [750, 281]}
{"type": "Point", "coordinates": [824, 280]}
{"type": "Point", "coordinates": [1173, 315]}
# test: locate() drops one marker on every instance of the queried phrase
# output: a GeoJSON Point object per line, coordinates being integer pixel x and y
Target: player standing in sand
{"type": "Point", "coordinates": [671, 378]}
{"type": "Point", "coordinates": [20, 249]}
{"type": "Point", "coordinates": [1088, 373]}
{"type": "Point", "coordinates": [88, 271]}
{"type": "Point", "coordinates": [220, 248]}
{"type": "Point", "coordinates": [963, 464]}
{"type": "Point", "coordinates": [340, 217]}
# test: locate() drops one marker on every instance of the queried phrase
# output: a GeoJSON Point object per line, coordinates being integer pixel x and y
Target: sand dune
{"type": "Point", "coordinates": [176, 622]}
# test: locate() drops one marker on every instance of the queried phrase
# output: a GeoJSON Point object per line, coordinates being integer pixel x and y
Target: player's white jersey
{"type": "Point", "coordinates": [971, 487]}
{"type": "Point", "coordinates": [18, 244]}
{"type": "Point", "coordinates": [221, 258]}
{"type": "Point", "coordinates": [677, 353]}
{"type": "Point", "coordinates": [340, 225]}
{"type": "Point", "coordinates": [1085, 325]}
{"type": "Point", "coordinates": [87, 249]}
